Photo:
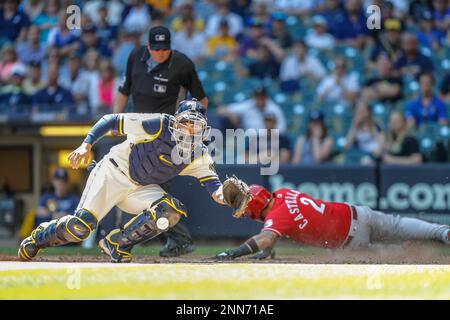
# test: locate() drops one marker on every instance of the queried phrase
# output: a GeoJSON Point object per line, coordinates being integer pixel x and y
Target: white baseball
{"type": "Point", "coordinates": [162, 223]}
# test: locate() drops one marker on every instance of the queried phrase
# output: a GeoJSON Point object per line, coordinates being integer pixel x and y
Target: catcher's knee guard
{"type": "Point", "coordinates": [57, 232]}
{"type": "Point", "coordinates": [162, 215]}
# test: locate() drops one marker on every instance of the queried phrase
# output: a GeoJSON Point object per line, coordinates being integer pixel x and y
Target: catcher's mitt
{"type": "Point", "coordinates": [236, 194]}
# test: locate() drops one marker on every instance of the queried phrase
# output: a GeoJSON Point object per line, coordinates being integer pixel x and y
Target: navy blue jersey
{"type": "Point", "coordinates": [54, 205]}
{"type": "Point", "coordinates": [149, 155]}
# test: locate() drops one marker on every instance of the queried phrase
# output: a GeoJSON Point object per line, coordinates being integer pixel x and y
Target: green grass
{"type": "Point", "coordinates": [227, 281]}
{"type": "Point", "coordinates": [153, 249]}
{"type": "Point", "coordinates": [283, 249]}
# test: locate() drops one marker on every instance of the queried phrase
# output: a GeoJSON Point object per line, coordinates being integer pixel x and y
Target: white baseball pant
{"type": "Point", "coordinates": [107, 186]}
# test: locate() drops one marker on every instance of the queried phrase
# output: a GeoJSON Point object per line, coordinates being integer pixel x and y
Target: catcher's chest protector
{"type": "Point", "coordinates": [151, 163]}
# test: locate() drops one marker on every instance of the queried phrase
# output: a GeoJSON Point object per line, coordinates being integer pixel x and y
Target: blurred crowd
{"type": "Point", "coordinates": [337, 90]}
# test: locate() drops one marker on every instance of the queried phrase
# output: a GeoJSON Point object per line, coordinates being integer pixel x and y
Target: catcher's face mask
{"type": "Point", "coordinates": [189, 129]}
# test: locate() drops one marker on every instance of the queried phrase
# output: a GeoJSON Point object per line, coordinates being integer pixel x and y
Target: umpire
{"type": "Point", "coordinates": [157, 78]}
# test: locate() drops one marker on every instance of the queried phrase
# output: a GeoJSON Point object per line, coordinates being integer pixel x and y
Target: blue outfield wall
{"type": "Point", "coordinates": [424, 189]}
{"type": "Point", "coordinates": [393, 189]}
{"type": "Point", "coordinates": [206, 217]}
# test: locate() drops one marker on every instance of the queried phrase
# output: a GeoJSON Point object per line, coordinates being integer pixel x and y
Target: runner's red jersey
{"type": "Point", "coordinates": [308, 220]}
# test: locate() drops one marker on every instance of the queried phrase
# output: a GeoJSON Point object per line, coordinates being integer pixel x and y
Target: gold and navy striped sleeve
{"type": "Point", "coordinates": [212, 183]}
{"type": "Point", "coordinates": [121, 123]}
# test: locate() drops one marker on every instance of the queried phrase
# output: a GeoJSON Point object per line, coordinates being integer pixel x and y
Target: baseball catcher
{"type": "Point", "coordinates": [310, 221]}
{"type": "Point", "coordinates": [158, 148]}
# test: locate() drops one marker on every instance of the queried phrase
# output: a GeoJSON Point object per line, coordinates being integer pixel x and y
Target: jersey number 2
{"type": "Point", "coordinates": [319, 208]}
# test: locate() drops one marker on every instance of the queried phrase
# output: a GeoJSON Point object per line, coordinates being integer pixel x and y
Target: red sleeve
{"type": "Point", "coordinates": [276, 222]}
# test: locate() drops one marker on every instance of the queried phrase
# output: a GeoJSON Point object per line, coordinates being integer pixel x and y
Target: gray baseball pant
{"type": "Point", "coordinates": [372, 226]}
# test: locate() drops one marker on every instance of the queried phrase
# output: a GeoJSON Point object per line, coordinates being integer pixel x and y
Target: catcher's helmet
{"type": "Point", "coordinates": [191, 106]}
{"type": "Point", "coordinates": [192, 114]}
{"type": "Point", "coordinates": [260, 198]}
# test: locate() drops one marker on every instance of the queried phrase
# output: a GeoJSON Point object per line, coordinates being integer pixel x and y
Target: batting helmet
{"type": "Point", "coordinates": [260, 198]}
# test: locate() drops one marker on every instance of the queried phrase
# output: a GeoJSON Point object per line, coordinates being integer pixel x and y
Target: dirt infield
{"type": "Point", "coordinates": [408, 253]}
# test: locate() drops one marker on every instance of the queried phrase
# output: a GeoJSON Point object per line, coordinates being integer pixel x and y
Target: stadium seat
{"type": "Point", "coordinates": [410, 88]}
{"type": "Point", "coordinates": [339, 142]}
{"type": "Point", "coordinates": [428, 130]}
{"type": "Point", "coordinates": [381, 114]}
{"type": "Point", "coordinates": [297, 27]}
{"type": "Point", "coordinates": [207, 65]}
{"type": "Point", "coordinates": [337, 116]}
{"type": "Point", "coordinates": [338, 155]}
{"type": "Point", "coordinates": [339, 119]}
{"type": "Point", "coordinates": [426, 147]}
{"type": "Point", "coordinates": [240, 96]}
{"type": "Point", "coordinates": [280, 98]}
{"type": "Point", "coordinates": [354, 156]}
{"type": "Point", "coordinates": [296, 119]}
{"type": "Point", "coordinates": [434, 142]}
{"type": "Point", "coordinates": [202, 75]}
{"type": "Point", "coordinates": [447, 105]}
{"type": "Point", "coordinates": [245, 86]}
{"type": "Point", "coordinates": [322, 55]}
{"type": "Point", "coordinates": [445, 64]}
{"type": "Point", "coordinates": [308, 93]}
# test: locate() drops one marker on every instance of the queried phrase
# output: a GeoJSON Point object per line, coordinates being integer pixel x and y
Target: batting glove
{"type": "Point", "coordinates": [266, 253]}
{"type": "Point", "coordinates": [224, 256]}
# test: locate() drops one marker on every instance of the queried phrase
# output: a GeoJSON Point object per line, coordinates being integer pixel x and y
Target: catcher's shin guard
{"type": "Point", "coordinates": [58, 232]}
{"type": "Point", "coordinates": [162, 215]}
{"type": "Point", "coordinates": [28, 248]}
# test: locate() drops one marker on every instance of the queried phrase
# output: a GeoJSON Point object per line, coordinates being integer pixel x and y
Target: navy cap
{"type": "Point", "coordinates": [270, 115]}
{"type": "Point", "coordinates": [91, 28]}
{"type": "Point", "coordinates": [427, 16]}
{"type": "Point", "coordinates": [75, 55]}
{"type": "Point", "coordinates": [34, 63]}
{"type": "Point", "coordinates": [279, 16]}
{"type": "Point", "coordinates": [255, 22]}
{"type": "Point", "coordinates": [316, 115]}
{"type": "Point", "coordinates": [224, 23]}
{"type": "Point", "coordinates": [260, 91]}
{"type": "Point", "coordinates": [320, 20]}
{"type": "Point", "coordinates": [61, 174]}
{"type": "Point", "coordinates": [159, 38]}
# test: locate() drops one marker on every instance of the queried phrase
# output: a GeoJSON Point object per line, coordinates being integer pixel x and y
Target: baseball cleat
{"type": "Point", "coordinates": [28, 248]}
{"type": "Point", "coordinates": [177, 250]}
{"type": "Point", "coordinates": [112, 249]}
